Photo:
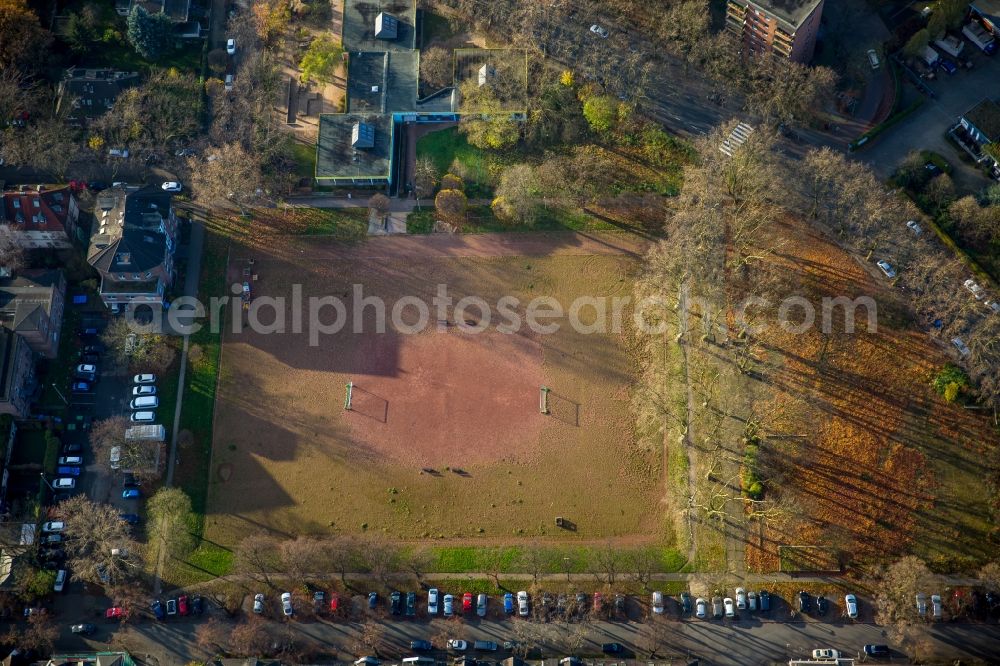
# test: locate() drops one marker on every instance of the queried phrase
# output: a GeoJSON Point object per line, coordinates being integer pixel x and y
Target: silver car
{"type": "Point", "coordinates": [286, 604]}
{"type": "Point", "coordinates": [258, 603]}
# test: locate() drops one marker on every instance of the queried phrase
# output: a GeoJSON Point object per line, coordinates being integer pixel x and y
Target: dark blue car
{"type": "Point", "coordinates": [947, 65]}
{"type": "Point", "coordinates": [157, 608]}
{"type": "Point", "coordinates": [131, 493]}
{"type": "Point", "coordinates": [68, 471]}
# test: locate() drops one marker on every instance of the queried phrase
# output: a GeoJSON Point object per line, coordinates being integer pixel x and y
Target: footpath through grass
{"type": "Point", "coordinates": [194, 453]}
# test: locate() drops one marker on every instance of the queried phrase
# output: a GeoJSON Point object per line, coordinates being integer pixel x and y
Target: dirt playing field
{"type": "Point", "coordinates": [445, 437]}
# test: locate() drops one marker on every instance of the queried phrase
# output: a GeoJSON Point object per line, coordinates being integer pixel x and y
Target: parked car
{"type": "Point", "coordinates": [144, 379]}
{"type": "Point", "coordinates": [145, 389]}
{"type": "Point", "coordinates": [851, 606]}
{"type": "Point", "coordinates": [619, 604]}
{"type": "Point", "coordinates": [612, 648]}
{"type": "Point", "coordinates": [878, 651]}
{"type": "Point", "coordinates": [599, 31]}
{"type": "Point", "coordinates": [974, 288]}
{"type": "Point", "coordinates": [395, 603]}
{"type": "Point", "coordinates": [197, 605]}
{"type": "Point", "coordinates": [231, 46]}
{"type": "Point", "coordinates": [456, 644]}
{"type": "Point", "coordinates": [84, 629]}
{"type": "Point", "coordinates": [752, 600]}
{"type": "Point", "coordinates": [717, 608]}
{"type": "Point", "coordinates": [68, 470]}
{"type": "Point", "coordinates": [145, 402]}
{"type": "Point", "coordinates": [484, 646]}
{"type": "Point", "coordinates": [886, 268]}
{"type": "Point", "coordinates": [826, 653]}
{"type": "Point", "coordinates": [81, 387]}
{"type": "Point", "coordinates": [921, 604]}
{"type": "Point", "coordinates": [685, 602]}
{"type": "Point", "coordinates": [53, 526]}
{"type": "Point", "coordinates": [963, 349]}
{"type": "Point", "coordinates": [171, 186]}
{"type": "Point", "coordinates": [805, 602]}
{"type": "Point", "coordinates": [656, 604]}
{"type": "Point", "coordinates": [319, 601]}
{"type": "Point", "coordinates": [64, 483]}
{"type": "Point", "coordinates": [411, 604]}
{"type": "Point", "coordinates": [467, 602]}
{"type": "Point", "coordinates": [69, 460]}
{"type": "Point", "coordinates": [87, 371]}
{"type": "Point", "coordinates": [741, 598]}
{"type": "Point", "coordinates": [914, 227]}
{"type": "Point", "coordinates": [171, 607]}
{"type": "Point", "coordinates": [481, 602]}
{"type": "Point", "coordinates": [334, 602]}
{"type": "Point", "coordinates": [228, 83]}
{"type": "Point", "coordinates": [60, 581]}
{"type": "Point", "coordinates": [114, 613]}
{"type": "Point", "coordinates": [449, 605]}
{"type": "Point", "coordinates": [258, 603]}
{"type": "Point", "coordinates": [131, 493]}
{"type": "Point", "coordinates": [432, 601]}
{"type": "Point", "coordinates": [508, 603]}
{"type": "Point", "coordinates": [936, 606]}
{"type": "Point", "coordinates": [286, 604]}
{"type": "Point", "coordinates": [421, 645]}
{"type": "Point", "coordinates": [598, 602]}
{"type": "Point", "coordinates": [157, 608]}
{"type": "Point", "coordinates": [372, 600]}
{"type": "Point", "coordinates": [873, 59]}
{"type": "Point", "coordinates": [522, 603]}
{"type": "Point", "coordinates": [700, 608]}
{"type": "Point", "coordinates": [72, 447]}
{"type": "Point", "coordinates": [142, 417]}
{"type": "Point", "coordinates": [730, 607]}
{"type": "Point", "coordinates": [51, 539]}
{"type": "Point", "coordinates": [822, 605]}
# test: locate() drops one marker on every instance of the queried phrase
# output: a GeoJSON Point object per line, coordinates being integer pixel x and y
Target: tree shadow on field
{"type": "Point", "coordinates": [366, 403]}
{"type": "Point", "coordinates": [563, 409]}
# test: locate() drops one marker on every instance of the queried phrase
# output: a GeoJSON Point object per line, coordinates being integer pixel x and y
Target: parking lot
{"type": "Point", "coordinates": [925, 129]}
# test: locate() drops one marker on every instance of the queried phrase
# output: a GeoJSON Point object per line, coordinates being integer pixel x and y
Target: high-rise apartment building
{"type": "Point", "coordinates": [784, 28]}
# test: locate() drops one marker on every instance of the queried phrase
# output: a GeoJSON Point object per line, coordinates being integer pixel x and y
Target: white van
{"type": "Point", "coordinates": [419, 661]}
{"type": "Point", "coordinates": [116, 457]}
{"type": "Point", "coordinates": [145, 402]}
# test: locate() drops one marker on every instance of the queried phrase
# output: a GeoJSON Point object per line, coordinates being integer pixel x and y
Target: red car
{"type": "Point", "coordinates": [467, 602]}
{"type": "Point", "coordinates": [598, 602]}
{"type": "Point", "coordinates": [182, 605]}
{"type": "Point", "coordinates": [114, 613]}
{"type": "Point", "coordinates": [334, 602]}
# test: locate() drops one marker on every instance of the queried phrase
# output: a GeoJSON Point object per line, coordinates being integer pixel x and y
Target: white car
{"type": "Point", "coordinates": [826, 653]}
{"type": "Point", "coordinates": [258, 603]}
{"type": "Point", "coordinates": [449, 605]}
{"type": "Point", "coordinates": [481, 602]}
{"type": "Point", "coordinates": [960, 345]}
{"type": "Point", "coordinates": [231, 46]}
{"type": "Point", "coordinates": [522, 603]}
{"type": "Point", "coordinates": [976, 290]}
{"type": "Point", "coordinates": [700, 608]}
{"type": "Point", "coordinates": [70, 460]}
{"type": "Point", "coordinates": [54, 526]}
{"type": "Point", "coordinates": [752, 601]}
{"type": "Point", "coordinates": [286, 604]}
{"type": "Point", "coordinates": [60, 582]}
{"type": "Point", "coordinates": [144, 379]}
{"type": "Point", "coordinates": [64, 483]}
{"type": "Point", "coordinates": [457, 645]}
{"type": "Point", "coordinates": [851, 606]}
{"type": "Point", "coordinates": [171, 186]}
{"type": "Point", "coordinates": [741, 598]}
{"type": "Point", "coordinates": [657, 603]}
{"type": "Point", "coordinates": [228, 83]}
{"type": "Point", "coordinates": [599, 31]}
{"type": "Point", "coordinates": [873, 58]}
{"type": "Point", "coordinates": [432, 601]}
{"type": "Point", "coordinates": [936, 606]}
{"type": "Point", "coordinates": [730, 607]}
{"type": "Point", "coordinates": [921, 604]}
{"type": "Point", "coordinates": [143, 390]}
{"type": "Point", "coordinates": [914, 227]}
{"type": "Point", "coordinates": [886, 268]}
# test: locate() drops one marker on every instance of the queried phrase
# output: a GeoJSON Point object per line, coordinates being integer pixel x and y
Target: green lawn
{"type": "Point", "coordinates": [305, 159]}
{"type": "Point", "coordinates": [207, 560]}
{"type": "Point", "coordinates": [554, 560]}
{"type": "Point", "coordinates": [482, 220]}
{"type": "Point", "coordinates": [451, 153]}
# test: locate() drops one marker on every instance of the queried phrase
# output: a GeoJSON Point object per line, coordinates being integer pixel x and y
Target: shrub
{"type": "Point", "coordinates": [752, 486]}
{"type": "Point", "coordinates": [950, 382]}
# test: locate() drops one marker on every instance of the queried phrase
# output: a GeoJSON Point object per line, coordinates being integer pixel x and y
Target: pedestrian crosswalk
{"type": "Point", "coordinates": [736, 138]}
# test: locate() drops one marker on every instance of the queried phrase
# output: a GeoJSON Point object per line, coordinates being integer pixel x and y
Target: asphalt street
{"type": "Point", "coordinates": [726, 643]}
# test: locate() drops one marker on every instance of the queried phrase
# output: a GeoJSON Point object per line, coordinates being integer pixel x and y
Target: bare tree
{"type": "Point", "coordinates": [12, 258]}
{"type": "Point", "coordinates": [250, 637]}
{"type": "Point", "coordinates": [98, 544]}
{"type": "Point", "coordinates": [212, 636]}
{"type": "Point", "coordinates": [425, 178]}
{"type": "Point", "coordinates": [257, 557]}
{"type": "Point", "coordinates": [233, 174]}
{"type": "Point", "coordinates": [437, 68]}
{"type": "Point", "coordinates": [451, 206]}
{"type": "Point", "coordinates": [345, 556]}
{"type": "Point", "coordinates": [40, 635]}
{"type": "Point", "coordinates": [896, 591]}
{"type": "Point", "coordinates": [135, 454]}
{"type": "Point", "coordinates": [133, 348]}
{"type": "Point", "coordinates": [302, 556]}
{"type": "Point", "coordinates": [606, 563]}
{"type": "Point", "coordinates": [642, 563]}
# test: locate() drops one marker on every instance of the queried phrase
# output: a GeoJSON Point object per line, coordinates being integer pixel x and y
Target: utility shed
{"type": "Point", "coordinates": [386, 26]}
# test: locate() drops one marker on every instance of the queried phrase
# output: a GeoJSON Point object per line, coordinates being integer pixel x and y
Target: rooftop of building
{"type": "Point", "coordinates": [128, 236]}
{"type": "Point", "coordinates": [26, 298]}
{"type": "Point", "coordinates": [92, 92]}
{"type": "Point", "coordinates": [29, 209]}
{"type": "Point", "coordinates": [338, 159]}
{"type": "Point", "coordinates": [359, 25]}
{"type": "Point", "coordinates": [791, 12]}
{"type": "Point", "coordinates": [986, 117]}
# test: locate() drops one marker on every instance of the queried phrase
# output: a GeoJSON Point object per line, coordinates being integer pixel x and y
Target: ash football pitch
{"type": "Point", "coordinates": [445, 437]}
